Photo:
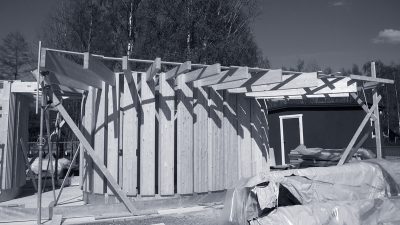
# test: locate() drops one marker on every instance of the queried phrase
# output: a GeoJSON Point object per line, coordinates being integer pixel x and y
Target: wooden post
{"type": "Point", "coordinates": [376, 113]}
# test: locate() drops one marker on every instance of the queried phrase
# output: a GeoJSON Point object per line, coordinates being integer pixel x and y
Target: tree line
{"type": "Point", "coordinates": [202, 31]}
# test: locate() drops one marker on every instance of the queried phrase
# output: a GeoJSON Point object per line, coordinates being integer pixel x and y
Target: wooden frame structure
{"type": "Point", "coordinates": [188, 129]}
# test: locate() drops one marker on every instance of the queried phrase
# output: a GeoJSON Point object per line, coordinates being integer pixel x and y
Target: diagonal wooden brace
{"type": "Point", "coordinates": [31, 174]}
{"type": "Point", "coordinates": [362, 104]}
{"type": "Point", "coordinates": [358, 132]}
{"type": "Point", "coordinates": [90, 151]}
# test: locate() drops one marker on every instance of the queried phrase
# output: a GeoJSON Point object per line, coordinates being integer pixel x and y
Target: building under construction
{"type": "Point", "coordinates": [172, 131]}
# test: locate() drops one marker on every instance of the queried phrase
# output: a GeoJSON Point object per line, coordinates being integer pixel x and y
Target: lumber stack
{"type": "Point", "coordinates": [303, 157]}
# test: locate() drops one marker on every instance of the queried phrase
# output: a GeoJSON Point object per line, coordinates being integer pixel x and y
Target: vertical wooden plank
{"type": "Point", "coordinates": [244, 138]}
{"type": "Point", "coordinates": [264, 135]}
{"type": "Point", "coordinates": [9, 150]}
{"type": "Point", "coordinates": [89, 122]}
{"type": "Point", "coordinates": [14, 153]}
{"type": "Point", "coordinates": [130, 133]}
{"type": "Point", "coordinates": [147, 137]}
{"type": "Point", "coordinates": [5, 90]}
{"type": "Point", "coordinates": [22, 133]}
{"type": "Point", "coordinates": [256, 139]}
{"type": "Point", "coordinates": [200, 137]}
{"type": "Point", "coordinates": [184, 137]}
{"type": "Point", "coordinates": [215, 140]}
{"type": "Point", "coordinates": [166, 139]}
{"type": "Point", "coordinates": [231, 172]}
{"type": "Point", "coordinates": [377, 123]}
{"type": "Point", "coordinates": [112, 132]}
{"type": "Point", "coordinates": [100, 136]}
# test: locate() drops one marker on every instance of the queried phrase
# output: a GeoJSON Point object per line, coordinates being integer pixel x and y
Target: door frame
{"type": "Point", "coordinates": [281, 118]}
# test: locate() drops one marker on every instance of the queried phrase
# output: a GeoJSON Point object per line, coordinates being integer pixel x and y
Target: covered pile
{"type": "Point", "coordinates": [361, 192]}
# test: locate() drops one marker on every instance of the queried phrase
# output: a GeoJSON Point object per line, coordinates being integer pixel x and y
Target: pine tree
{"type": "Point", "coordinates": [15, 56]}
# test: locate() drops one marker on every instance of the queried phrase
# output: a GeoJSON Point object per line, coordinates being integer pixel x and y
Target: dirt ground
{"type": "Point", "coordinates": [208, 216]}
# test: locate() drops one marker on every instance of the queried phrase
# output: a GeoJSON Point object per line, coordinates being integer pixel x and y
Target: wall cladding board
{"type": "Point", "coordinates": [206, 139]}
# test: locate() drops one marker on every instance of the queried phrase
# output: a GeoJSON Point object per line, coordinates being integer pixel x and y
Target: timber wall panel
{"type": "Point", "coordinates": [14, 124]}
{"type": "Point", "coordinates": [4, 103]}
{"type": "Point", "coordinates": [166, 142]}
{"type": "Point", "coordinates": [147, 137]}
{"type": "Point", "coordinates": [100, 136]}
{"type": "Point", "coordinates": [130, 133]}
{"type": "Point", "coordinates": [200, 140]}
{"type": "Point", "coordinates": [22, 115]}
{"type": "Point", "coordinates": [244, 138]}
{"type": "Point", "coordinates": [10, 140]}
{"type": "Point", "coordinates": [184, 136]}
{"type": "Point", "coordinates": [230, 133]}
{"type": "Point", "coordinates": [206, 139]}
{"type": "Point", "coordinates": [112, 132]}
{"type": "Point", "coordinates": [256, 139]}
{"type": "Point", "coordinates": [215, 140]}
{"type": "Point", "coordinates": [88, 127]}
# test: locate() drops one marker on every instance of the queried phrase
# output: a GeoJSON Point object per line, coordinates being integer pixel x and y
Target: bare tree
{"type": "Point", "coordinates": [15, 56]}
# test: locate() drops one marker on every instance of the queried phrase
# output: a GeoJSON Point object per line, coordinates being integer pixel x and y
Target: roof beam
{"type": "Point", "coordinates": [68, 69]}
{"type": "Point", "coordinates": [233, 74]}
{"type": "Point", "coordinates": [336, 95]}
{"type": "Point", "coordinates": [202, 73]}
{"type": "Point", "coordinates": [259, 78]}
{"type": "Point", "coordinates": [98, 69]}
{"type": "Point", "coordinates": [373, 79]}
{"type": "Point", "coordinates": [289, 81]}
{"type": "Point", "coordinates": [153, 69]}
{"type": "Point", "coordinates": [174, 72]}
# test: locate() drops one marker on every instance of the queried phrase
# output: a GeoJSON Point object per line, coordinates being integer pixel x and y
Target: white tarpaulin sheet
{"type": "Point", "coordinates": [261, 195]}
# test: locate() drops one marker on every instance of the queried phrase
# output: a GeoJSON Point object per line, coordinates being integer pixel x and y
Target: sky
{"type": "Point", "coordinates": [334, 33]}
{"type": "Point", "coordinates": [25, 16]}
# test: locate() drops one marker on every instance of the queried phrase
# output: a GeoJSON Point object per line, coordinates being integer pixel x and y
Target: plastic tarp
{"type": "Point", "coordinates": [262, 195]}
{"type": "Point", "coordinates": [361, 212]}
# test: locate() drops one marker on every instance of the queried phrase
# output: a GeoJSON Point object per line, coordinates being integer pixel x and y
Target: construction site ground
{"type": "Point", "coordinates": [200, 209]}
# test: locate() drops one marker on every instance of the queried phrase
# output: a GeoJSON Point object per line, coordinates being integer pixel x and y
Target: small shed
{"type": "Point", "coordinates": [13, 126]}
{"type": "Point", "coordinates": [322, 125]}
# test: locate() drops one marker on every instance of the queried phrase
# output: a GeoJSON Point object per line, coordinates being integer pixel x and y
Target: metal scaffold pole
{"type": "Point", "coordinates": [40, 143]}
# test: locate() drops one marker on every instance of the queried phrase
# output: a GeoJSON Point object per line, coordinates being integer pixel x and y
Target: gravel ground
{"type": "Point", "coordinates": [208, 216]}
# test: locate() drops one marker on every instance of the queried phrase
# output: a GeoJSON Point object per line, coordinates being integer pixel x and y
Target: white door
{"type": "Point", "coordinates": [281, 119]}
